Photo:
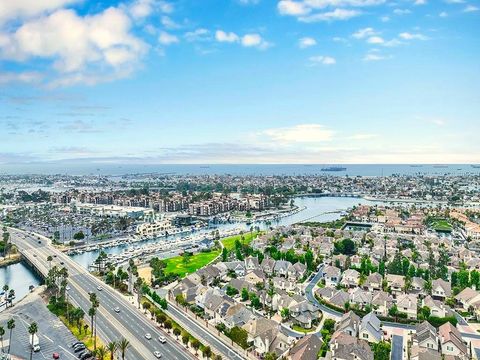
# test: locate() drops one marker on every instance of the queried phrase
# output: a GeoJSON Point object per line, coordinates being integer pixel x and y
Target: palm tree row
{"type": "Point", "coordinates": [121, 346]}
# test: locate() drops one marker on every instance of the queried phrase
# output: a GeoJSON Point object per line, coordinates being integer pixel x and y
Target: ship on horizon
{"type": "Point", "coordinates": [334, 168]}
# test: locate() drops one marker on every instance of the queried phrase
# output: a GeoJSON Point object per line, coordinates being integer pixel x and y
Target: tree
{"type": "Point", "coordinates": [309, 260]}
{"type": "Point", "coordinates": [123, 345]}
{"type": "Point", "coordinates": [224, 254]}
{"type": "Point", "coordinates": [196, 345]}
{"type": "Point", "coordinates": [101, 352]}
{"type": "Point", "coordinates": [185, 338]}
{"type": "Point", "coordinates": [79, 235]}
{"type": "Point", "coordinates": [381, 351]}
{"type": "Point", "coordinates": [270, 356]}
{"type": "Point", "coordinates": [239, 336]}
{"type": "Point", "coordinates": [112, 347]}
{"type": "Point", "coordinates": [345, 246]}
{"type": "Point", "coordinates": [245, 295]}
{"type": "Point", "coordinates": [231, 291]}
{"type": "Point", "coordinates": [285, 313]}
{"type": "Point", "coordinates": [177, 332]}
{"type": "Point", "coordinates": [10, 326]}
{"type": "Point", "coordinates": [186, 257]}
{"type": "Point", "coordinates": [32, 330]}
{"type": "Point", "coordinates": [207, 352]}
{"type": "Point", "coordinates": [2, 333]}
{"type": "Point", "coordinates": [168, 325]}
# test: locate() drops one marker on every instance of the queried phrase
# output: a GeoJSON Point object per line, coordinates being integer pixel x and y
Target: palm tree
{"type": "Point", "coordinates": [123, 346]}
{"type": "Point", "coordinates": [101, 352]}
{"type": "Point", "coordinates": [49, 259]}
{"type": "Point", "coordinates": [32, 330]}
{"type": "Point", "coordinates": [112, 347]}
{"type": "Point", "coordinates": [2, 332]}
{"type": "Point", "coordinates": [5, 290]}
{"type": "Point", "coordinates": [10, 326]}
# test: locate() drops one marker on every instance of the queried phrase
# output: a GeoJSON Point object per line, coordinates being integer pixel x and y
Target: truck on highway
{"type": "Point", "coordinates": [34, 342]}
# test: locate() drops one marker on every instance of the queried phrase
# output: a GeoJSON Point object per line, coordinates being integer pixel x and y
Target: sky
{"type": "Point", "coordinates": [239, 81]}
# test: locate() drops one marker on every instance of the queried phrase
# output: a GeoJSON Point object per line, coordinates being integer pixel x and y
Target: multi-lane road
{"type": "Point", "coordinates": [129, 323]}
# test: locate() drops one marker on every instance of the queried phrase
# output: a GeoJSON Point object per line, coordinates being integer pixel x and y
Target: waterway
{"type": "Point", "coordinates": [20, 277]}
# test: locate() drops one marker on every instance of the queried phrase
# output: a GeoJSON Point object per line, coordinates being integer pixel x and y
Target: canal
{"type": "Point", "coordinates": [20, 277]}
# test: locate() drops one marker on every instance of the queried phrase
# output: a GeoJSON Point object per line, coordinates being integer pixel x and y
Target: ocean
{"type": "Point", "coordinates": [241, 169]}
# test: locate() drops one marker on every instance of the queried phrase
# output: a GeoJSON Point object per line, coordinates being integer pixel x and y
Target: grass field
{"type": "Point", "coordinates": [301, 329]}
{"type": "Point", "coordinates": [229, 242]}
{"type": "Point", "coordinates": [177, 266]}
{"type": "Point", "coordinates": [197, 261]}
{"type": "Point", "coordinates": [441, 225]}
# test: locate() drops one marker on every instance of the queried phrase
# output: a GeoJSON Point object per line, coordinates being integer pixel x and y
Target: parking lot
{"type": "Point", "coordinates": [53, 335]}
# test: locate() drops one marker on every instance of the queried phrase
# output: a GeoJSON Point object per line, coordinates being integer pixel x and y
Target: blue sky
{"type": "Point", "coordinates": [240, 81]}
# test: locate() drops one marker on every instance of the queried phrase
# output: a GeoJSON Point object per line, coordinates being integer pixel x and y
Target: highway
{"type": "Point", "coordinates": [130, 323]}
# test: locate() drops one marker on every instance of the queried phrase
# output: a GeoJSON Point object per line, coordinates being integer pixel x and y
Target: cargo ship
{"type": "Point", "coordinates": [334, 168]}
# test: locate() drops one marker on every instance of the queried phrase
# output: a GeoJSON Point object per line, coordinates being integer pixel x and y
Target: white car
{"type": "Point", "coordinates": [117, 309]}
{"type": "Point", "coordinates": [67, 288]}
{"type": "Point", "coordinates": [148, 336]}
{"type": "Point", "coordinates": [157, 354]}
{"type": "Point", "coordinates": [99, 288]}
{"type": "Point", "coordinates": [162, 339]}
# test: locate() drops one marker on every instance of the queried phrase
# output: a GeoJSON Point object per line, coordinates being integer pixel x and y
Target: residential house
{"type": "Point", "coordinates": [304, 314]}
{"type": "Point", "coordinates": [350, 278]}
{"type": "Point", "coordinates": [307, 348]}
{"type": "Point", "coordinates": [382, 302]}
{"type": "Point", "coordinates": [396, 283]}
{"type": "Point", "coordinates": [407, 304]}
{"type": "Point", "coordinates": [346, 347]}
{"type": "Point", "coordinates": [251, 263]}
{"type": "Point", "coordinates": [419, 353]}
{"type": "Point", "coordinates": [361, 298]}
{"type": "Point", "coordinates": [418, 285]}
{"type": "Point", "coordinates": [467, 298]}
{"type": "Point", "coordinates": [281, 268]}
{"type": "Point", "coordinates": [237, 315]}
{"type": "Point", "coordinates": [437, 307]}
{"type": "Point", "coordinates": [268, 264]}
{"type": "Point", "coordinates": [331, 274]}
{"type": "Point", "coordinates": [296, 271]}
{"type": "Point", "coordinates": [441, 289]}
{"type": "Point", "coordinates": [370, 328]}
{"type": "Point", "coordinates": [451, 341]}
{"type": "Point", "coordinates": [373, 282]}
{"type": "Point", "coordinates": [349, 324]}
{"type": "Point", "coordinates": [426, 336]}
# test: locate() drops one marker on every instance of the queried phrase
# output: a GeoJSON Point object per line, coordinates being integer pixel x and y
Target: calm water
{"type": "Point", "coordinates": [244, 169]}
{"type": "Point", "coordinates": [18, 277]}
{"type": "Point", "coordinates": [317, 209]}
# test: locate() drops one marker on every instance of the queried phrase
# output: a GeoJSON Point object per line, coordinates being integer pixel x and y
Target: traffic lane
{"type": "Point", "coordinates": [104, 330]}
{"type": "Point", "coordinates": [104, 327]}
{"type": "Point", "coordinates": [205, 334]}
{"type": "Point", "coordinates": [132, 319]}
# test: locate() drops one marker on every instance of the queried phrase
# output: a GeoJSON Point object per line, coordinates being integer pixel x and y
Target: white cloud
{"type": "Point", "coordinates": [93, 44]}
{"type": "Point", "coordinates": [222, 36]}
{"type": "Point", "coordinates": [323, 60]}
{"type": "Point", "coordinates": [320, 4]}
{"type": "Point", "coordinates": [375, 40]}
{"type": "Point", "coordinates": [420, 2]}
{"type": "Point", "coordinates": [27, 77]}
{"type": "Point", "coordinates": [306, 42]}
{"type": "Point", "coordinates": [374, 57]}
{"type": "Point", "coordinates": [410, 36]}
{"type": "Point", "coordinates": [443, 14]}
{"type": "Point", "coordinates": [200, 34]}
{"type": "Point", "coordinates": [385, 18]}
{"type": "Point", "coordinates": [401, 11]}
{"type": "Point", "coordinates": [471, 8]}
{"type": "Point", "coordinates": [167, 39]}
{"type": "Point", "coordinates": [337, 14]}
{"type": "Point", "coordinates": [302, 133]}
{"type": "Point", "coordinates": [169, 23]}
{"type": "Point", "coordinates": [254, 40]}
{"type": "Point", "coordinates": [363, 33]}
{"type": "Point", "coordinates": [363, 136]}
{"type": "Point", "coordinates": [295, 8]}
{"type": "Point", "coordinates": [14, 9]}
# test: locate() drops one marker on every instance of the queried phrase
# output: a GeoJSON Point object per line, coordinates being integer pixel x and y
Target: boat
{"type": "Point", "coordinates": [475, 166]}
{"type": "Point", "coordinates": [334, 168]}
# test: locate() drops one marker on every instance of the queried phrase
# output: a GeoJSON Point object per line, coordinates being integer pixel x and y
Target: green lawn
{"type": "Point", "coordinates": [441, 225]}
{"type": "Point", "coordinates": [301, 329]}
{"type": "Point", "coordinates": [229, 242]}
{"type": "Point", "coordinates": [197, 261]}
